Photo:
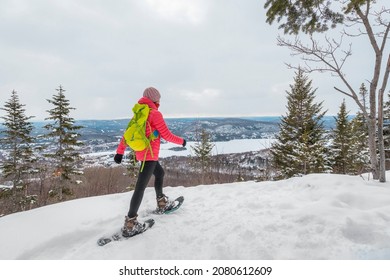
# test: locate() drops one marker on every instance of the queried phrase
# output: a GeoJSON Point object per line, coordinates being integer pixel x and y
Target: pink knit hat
{"type": "Point", "coordinates": [152, 94]}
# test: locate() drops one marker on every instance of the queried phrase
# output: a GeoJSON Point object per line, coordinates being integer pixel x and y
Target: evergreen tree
{"type": "Point", "coordinates": [300, 147]}
{"type": "Point", "coordinates": [386, 126]}
{"type": "Point", "coordinates": [360, 154]}
{"type": "Point", "coordinates": [63, 133]}
{"type": "Point", "coordinates": [17, 141]}
{"type": "Point", "coordinates": [202, 150]}
{"type": "Point", "coordinates": [341, 144]}
{"type": "Point", "coordinates": [350, 153]}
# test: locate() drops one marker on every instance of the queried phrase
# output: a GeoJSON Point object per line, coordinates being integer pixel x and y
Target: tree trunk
{"type": "Point", "coordinates": [371, 124]}
{"type": "Point", "coordinates": [382, 155]}
{"type": "Point", "coordinates": [381, 146]}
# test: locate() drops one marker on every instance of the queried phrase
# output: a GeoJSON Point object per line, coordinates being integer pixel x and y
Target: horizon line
{"type": "Point", "coordinates": [186, 117]}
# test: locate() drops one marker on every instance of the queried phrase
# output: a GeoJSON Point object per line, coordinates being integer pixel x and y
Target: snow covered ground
{"type": "Point", "coordinates": [315, 217]}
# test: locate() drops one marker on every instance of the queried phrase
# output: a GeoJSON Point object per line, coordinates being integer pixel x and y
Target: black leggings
{"type": "Point", "coordinates": [150, 168]}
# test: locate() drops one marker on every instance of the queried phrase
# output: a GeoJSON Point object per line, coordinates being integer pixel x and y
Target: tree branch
{"type": "Point", "coordinates": [343, 92]}
{"type": "Point", "coordinates": [385, 34]}
{"type": "Point", "coordinates": [326, 56]}
{"type": "Point", "coordinates": [370, 31]}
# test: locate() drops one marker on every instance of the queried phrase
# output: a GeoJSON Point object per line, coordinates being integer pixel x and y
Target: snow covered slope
{"type": "Point", "coordinates": [318, 216]}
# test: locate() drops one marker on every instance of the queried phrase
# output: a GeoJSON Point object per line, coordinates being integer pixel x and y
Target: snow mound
{"type": "Point", "coordinates": [319, 216]}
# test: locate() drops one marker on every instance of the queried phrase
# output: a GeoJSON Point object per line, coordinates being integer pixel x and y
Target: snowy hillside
{"type": "Point", "coordinates": [313, 217]}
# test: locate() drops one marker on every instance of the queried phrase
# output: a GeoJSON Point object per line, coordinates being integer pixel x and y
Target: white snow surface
{"type": "Point", "coordinates": [318, 216]}
{"type": "Point", "coordinates": [224, 147]}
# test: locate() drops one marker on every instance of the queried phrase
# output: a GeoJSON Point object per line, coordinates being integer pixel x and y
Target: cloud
{"type": "Point", "coordinates": [179, 11]}
{"type": "Point", "coordinates": [207, 57]}
{"type": "Point", "coordinates": [200, 96]}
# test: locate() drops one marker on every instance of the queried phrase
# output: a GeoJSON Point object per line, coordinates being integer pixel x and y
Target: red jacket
{"type": "Point", "coordinates": [158, 124]}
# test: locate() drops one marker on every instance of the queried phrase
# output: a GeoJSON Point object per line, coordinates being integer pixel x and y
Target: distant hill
{"type": "Point", "coordinates": [223, 129]}
{"type": "Point", "coordinates": [220, 129]}
{"type": "Point", "coordinates": [103, 135]}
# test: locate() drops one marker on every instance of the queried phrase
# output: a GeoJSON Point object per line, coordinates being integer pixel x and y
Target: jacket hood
{"type": "Point", "coordinates": [147, 101]}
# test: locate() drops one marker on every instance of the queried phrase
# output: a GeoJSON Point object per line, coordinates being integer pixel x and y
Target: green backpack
{"type": "Point", "coordinates": [134, 135]}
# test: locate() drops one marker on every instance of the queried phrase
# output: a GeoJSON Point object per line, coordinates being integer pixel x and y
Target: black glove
{"type": "Point", "coordinates": [118, 158]}
{"type": "Point", "coordinates": [184, 142]}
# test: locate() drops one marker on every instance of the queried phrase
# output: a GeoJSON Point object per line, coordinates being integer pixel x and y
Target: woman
{"type": "Point", "coordinates": [151, 166]}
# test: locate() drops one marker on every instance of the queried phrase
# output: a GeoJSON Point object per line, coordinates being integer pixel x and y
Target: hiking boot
{"type": "Point", "coordinates": [131, 227]}
{"type": "Point", "coordinates": [164, 204]}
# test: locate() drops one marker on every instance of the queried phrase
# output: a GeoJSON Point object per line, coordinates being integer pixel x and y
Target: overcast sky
{"type": "Point", "coordinates": [206, 57]}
